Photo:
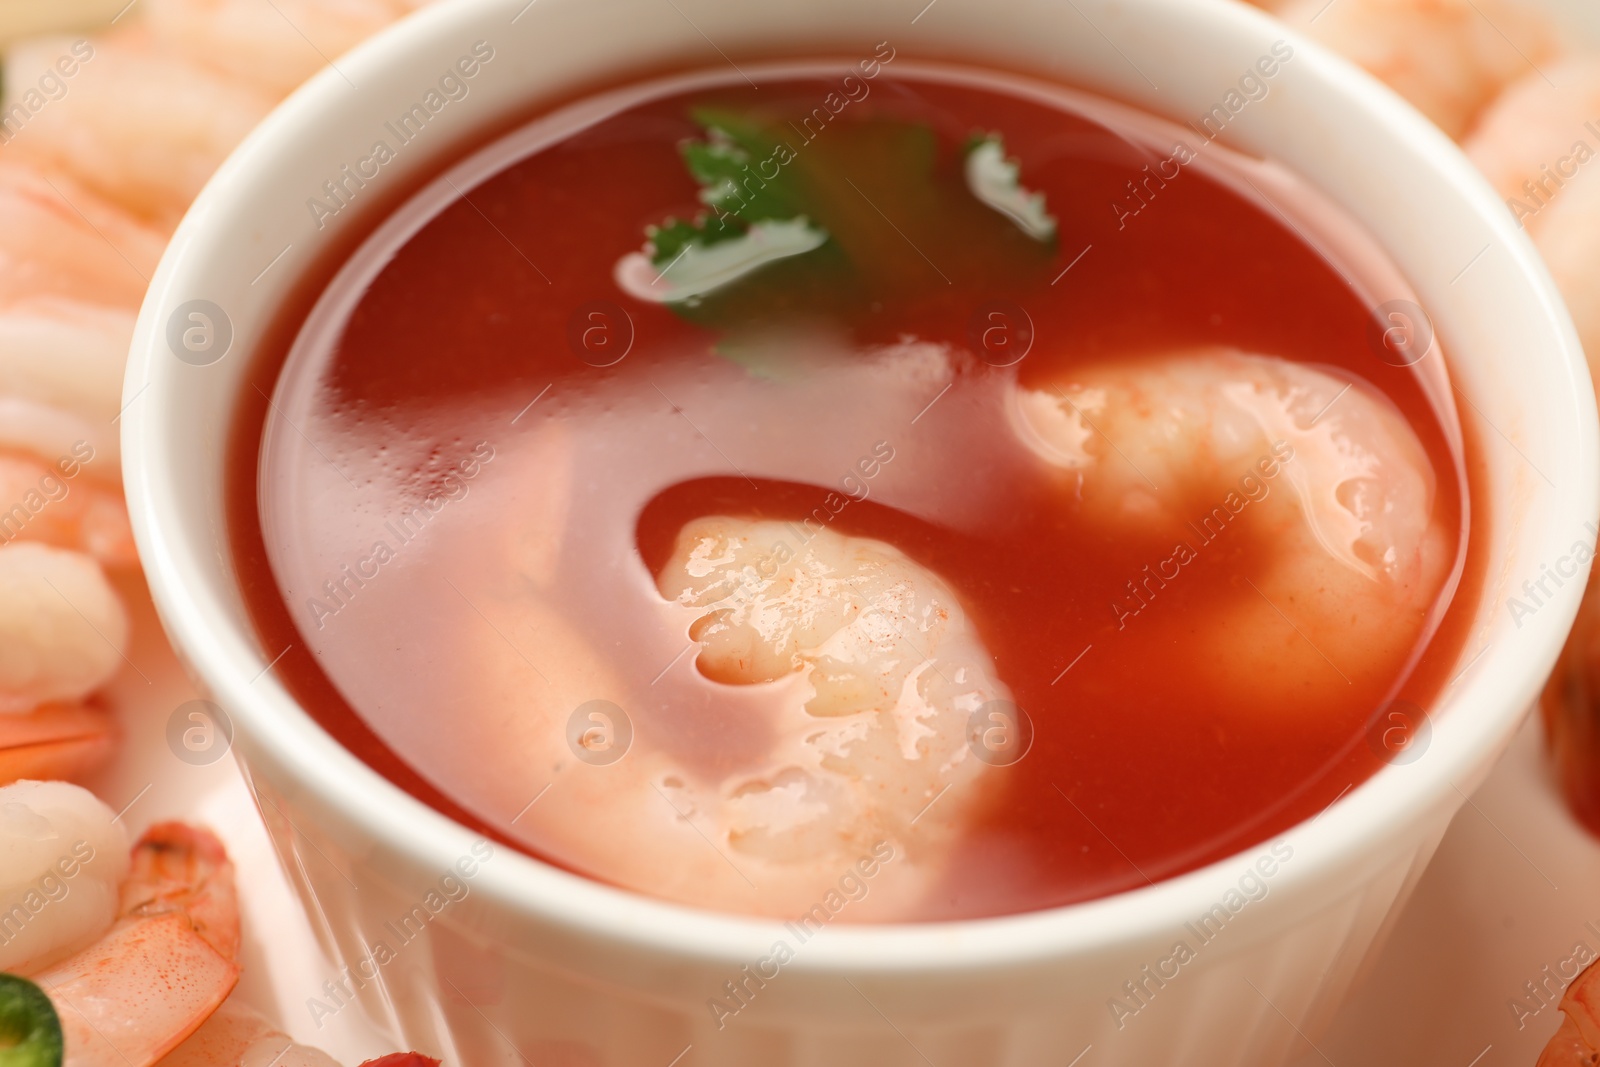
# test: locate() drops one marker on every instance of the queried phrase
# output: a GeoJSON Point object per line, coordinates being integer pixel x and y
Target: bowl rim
{"type": "Point", "coordinates": [1506, 676]}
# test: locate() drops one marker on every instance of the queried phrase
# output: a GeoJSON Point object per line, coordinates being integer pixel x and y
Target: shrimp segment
{"type": "Point", "coordinates": [50, 433]}
{"type": "Point", "coordinates": [1449, 58]}
{"type": "Point", "coordinates": [841, 676]}
{"type": "Point", "coordinates": [1538, 144]}
{"type": "Point", "coordinates": [39, 503]}
{"type": "Point", "coordinates": [62, 855]}
{"type": "Point", "coordinates": [166, 964]}
{"type": "Point", "coordinates": [1538, 136]}
{"type": "Point", "coordinates": [1338, 487]}
{"type": "Point", "coordinates": [893, 669]}
{"type": "Point", "coordinates": [59, 240]}
{"type": "Point", "coordinates": [65, 353]}
{"type": "Point", "coordinates": [62, 627]}
{"type": "Point", "coordinates": [235, 1036]}
{"type": "Point", "coordinates": [103, 131]}
{"type": "Point", "coordinates": [61, 741]}
{"type": "Point", "coordinates": [1577, 1042]}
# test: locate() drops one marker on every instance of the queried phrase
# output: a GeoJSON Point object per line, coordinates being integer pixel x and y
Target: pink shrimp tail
{"type": "Point", "coordinates": [167, 963]}
{"type": "Point", "coordinates": [1577, 1043]}
{"type": "Point", "coordinates": [177, 867]}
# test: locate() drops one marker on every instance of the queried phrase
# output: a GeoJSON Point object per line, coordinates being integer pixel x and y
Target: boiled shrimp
{"type": "Point", "coordinates": [63, 629]}
{"type": "Point", "coordinates": [65, 354]}
{"type": "Point", "coordinates": [55, 741]}
{"type": "Point", "coordinates": [61, 364]}
{"type": "Point", "coordinates": [1178, 446]}
{"type": "Point", "coordinates": [1538, 144]}
{"type": "Point", "coordinates": [1449, 58]}
{"type": "Point", "coordinates": [883, 673]}
{"type": "Point", "coordinates": [166, 963]}
{"type": "Point", "coordinates": [236, 1036]}
{"type": "Point", "coordinates": [42, 502]}
{"type": "Point", "coordinates": [51, 433]}
{"type": "Point", "coordinates": [63, 855]}
{"type": "Point", "coordinates": [857, 677]}
{"type": "Point", "coordinates": [1577, 1042]}
{"type": "Point", "coordinates": [68, 258]}
{"type": "Point", "coordinates": [274, 46]}
{"type": "Point", "coordinates": [1568, 241]}
{"type": "Point", "coordinates": [136, 954]}
{"type": "Point", "coordinates": [60, 240]}
{"type": "Point", "coordinates": [233, 1036]}
{"type": "Point", "coordinates": [142, 127]}
{"type": "Point", "coordinates": [1540, 136]}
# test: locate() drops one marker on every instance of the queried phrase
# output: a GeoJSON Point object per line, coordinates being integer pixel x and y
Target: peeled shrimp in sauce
{"type": "Point", "coordinates": [1348, 556]}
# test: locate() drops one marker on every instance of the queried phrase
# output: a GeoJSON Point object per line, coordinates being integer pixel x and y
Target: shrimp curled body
{"type": "Point", "coordinates": [165, 965]}
{"type": "Point", "coordinates": [1339, 491]}
{"type": "Point", "coordinates": [855, 674]}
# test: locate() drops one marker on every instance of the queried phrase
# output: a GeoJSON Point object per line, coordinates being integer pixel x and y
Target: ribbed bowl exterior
{"type": "Point", "coordinates": [480, 987]}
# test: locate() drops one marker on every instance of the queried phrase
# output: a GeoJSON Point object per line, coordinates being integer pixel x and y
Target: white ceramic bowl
{"type": "Point", "coordinates": [561, 970]}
